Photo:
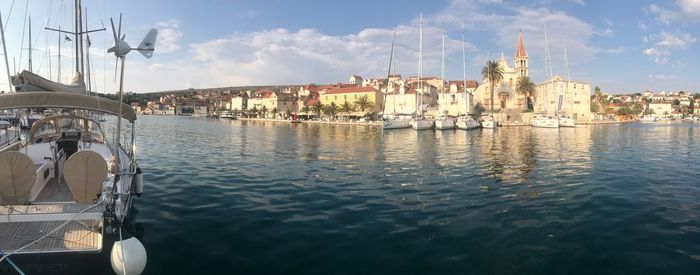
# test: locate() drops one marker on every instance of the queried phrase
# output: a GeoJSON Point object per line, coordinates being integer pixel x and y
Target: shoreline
{"type": "Point", "coordinates": [379, 124]}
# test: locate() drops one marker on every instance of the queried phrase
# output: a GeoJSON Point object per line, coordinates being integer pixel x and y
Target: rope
{"type": "Point", "coordinates": [9, 261]}
{"type": "Point", "coordinates": [51, 232]}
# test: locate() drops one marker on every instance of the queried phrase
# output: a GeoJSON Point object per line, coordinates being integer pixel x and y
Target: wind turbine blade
{"type": "Point", "coordinates": [114, 31]}
{"type": "Point", "coordinates": [120, 26]}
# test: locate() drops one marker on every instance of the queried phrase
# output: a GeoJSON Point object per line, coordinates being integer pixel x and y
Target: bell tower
{"type": "Point", "coordinates": [521, 58]}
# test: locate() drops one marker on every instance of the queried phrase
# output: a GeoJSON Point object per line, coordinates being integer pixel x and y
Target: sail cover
{"type": "Point", "coordinates": [66, 100]}
{"type": "Point", "coordinates": [30, 82]}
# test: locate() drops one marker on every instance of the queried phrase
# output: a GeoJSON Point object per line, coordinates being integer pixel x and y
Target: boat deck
{"type": "Point", "coordinates": [85, 236]}
{"type": "Point", "coordinates": [22, 224]}
{"type": "Point", "coordinates": [54, 191]}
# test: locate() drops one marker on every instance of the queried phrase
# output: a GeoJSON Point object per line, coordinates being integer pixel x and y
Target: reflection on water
{"type": "Point", "coordinates": [281, 198]}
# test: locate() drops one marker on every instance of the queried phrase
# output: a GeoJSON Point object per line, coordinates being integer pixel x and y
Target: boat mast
{"type": "Point", "coordinates": [4, 49]}
{"type": "Point", "coordinates": [420, 67]}
{"type": "Point", "coordinates": [58, 77]}
{"type": "Point", "coordinates": [464, 76]}
{"type": "Point", "coordinates": [547, 72]}
{"type": "Point", "coordinates": [87, 36]}
{"type": "Point", "coordinates": [568, 75]}
{"type": "Point", "coordinates": [30, 44]}
{"type": "Point", "coordinates": [388, 75]}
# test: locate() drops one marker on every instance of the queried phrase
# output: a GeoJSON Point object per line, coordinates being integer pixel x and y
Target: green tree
{"type": "Point", "coordinates": [363, 103]}
{"type": "Point", "coordinates": [594, 107]}
{"type": "Point", "coordinates": [346, 107]}
{"type": "Point", "coordinates": [305, 109]}
{"type": "Point", "coordinates": [317, 108]}
{"type": "Point", "coordinates": [493, 73]}
{"type": "Point", "coordinates": [676, 102]}
{"type": "Point", "coordinates": [263, 111]}
{"type": "Point", "coordinates": [274, 112]}
{"type": "Point", "coordinates": [288, 113]}
{"type": "Point", "coordinates": [332, 109]}
{"type": "Point", "coordinates": [527, 88]}
{"type": "Point", "coordinates": [691, 107]}
{"type": "Point", "coordinates": [254, 111]}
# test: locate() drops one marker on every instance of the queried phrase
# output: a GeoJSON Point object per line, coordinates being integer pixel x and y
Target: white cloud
{"type": "Point", "coordinates": [655, 52]}
{"type": "Point", "coordinates": [661, 77]}
{"type": "Point", "coordinates": [615, 51]}
{"type": "Point", "coordinates": [690, 8]}
{"type": "Point", "coordinates": [280, 56]}
{"type": "Point", "coordinates": [580, 2]}
{"type": "Point", "coordinates": [642, 26]}
{"type": "Point", "coordinates": [169, 36]}
{"type": "Point", "coordinates": [674, 41]}
{"type": "Point", "coordinates": [663, 16]}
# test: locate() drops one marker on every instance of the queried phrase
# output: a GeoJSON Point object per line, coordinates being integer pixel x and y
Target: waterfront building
{"type": "Point", "coordinates": [506, 100]}
{"type": "Point", "coordinates": [661, 107]}
{"type": "Point", "coordinates": [239, 102]}
{"type": "Point", "coordinates": [575, 99]}
{"type": "Point", "coordinates": [454, 101]}
{"type": "Point", "coordinates": [355, 80]}
{"type": "Point", "coordinates": [339, 96]}
{"type": "Point", "coordinates": [271, 100]}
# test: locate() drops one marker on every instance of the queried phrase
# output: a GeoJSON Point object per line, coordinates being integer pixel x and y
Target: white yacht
{"type": "Point", "coordinates": [395, 122]}
{"type": "Point", "coordinates": [68, 190]}
{"type": "Point", "coordinates": [566, 121]}
{"type": "Point", "coordinates": [489, 122]}
{"type": "Point", "coordinates": [648, 119]}
{"type": "Point", "coordinates": [422, 123]}
{"type": "Point", "coordinates": [444, 122]}
{"type": "Point", "coordinates": [227, 115]}
{"type": "Point", "coordinates": [466, 122]}
{"type": "Point", "coordinates": [542, 121]}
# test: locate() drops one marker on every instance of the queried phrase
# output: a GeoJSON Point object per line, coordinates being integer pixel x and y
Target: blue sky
{"type": "Point", "coordinates": [621, 46]}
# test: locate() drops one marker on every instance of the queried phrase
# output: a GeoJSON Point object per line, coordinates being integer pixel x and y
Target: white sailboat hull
{"type": "Point", "coordinates": [422, 124]}
{"type": "Point", "coordinates": [445, 123]}
{"type": "Point", "coordinates": [467, 124]}
{"type": "Point", "coordinates": [396, 124]}
{"type": "Point", "coordinates": [545, 123]}
{"type": "Point", "coordinates": [567, 122]}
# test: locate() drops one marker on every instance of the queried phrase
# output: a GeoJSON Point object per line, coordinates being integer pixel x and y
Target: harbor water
{"type": "Point", "coordinates": [244, 197]}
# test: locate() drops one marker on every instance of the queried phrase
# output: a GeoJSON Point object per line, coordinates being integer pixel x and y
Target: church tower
{"type": "Point", "coordinates": [520, 58]}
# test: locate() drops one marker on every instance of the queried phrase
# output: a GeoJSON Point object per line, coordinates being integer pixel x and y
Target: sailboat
{"type": "Point", "coordinates": [564, 119]}
{"type": "Point", "coordinates": [465, 121]}
{"type": "Point", "coordinates": [444, 121]}
{"type": "Point", "coordinates": [544, 120]}
{"type": "Point", "coordinates": [420, 122]}
{"type": "Point", "coordinates": [68, 191]}
{"type": "Point", "coordinates": [394, 120]}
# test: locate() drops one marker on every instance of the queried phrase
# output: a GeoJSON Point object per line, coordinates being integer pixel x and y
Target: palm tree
{"type": "Point", "coordinates": [363, 103]}
{"type": "Point", "coordinates": [254, 110]}
{"type": "Point", "coordinates": [494, 73]}
{"type": "Point", "coordinates": [263, 111]}
{"type": "Point", "coordinates": [317, 108]}
{"type": "Point", "coordinates": [305, 109]}
{"type": "Point", "coordinates": [527, 88]}
{"type": "Point", "coordinates": [288, 113]}
{"type": "Point", "coordinates": [332, 109]}
{"type": "Point", "coordinates": [274, 112]}
{"type": "Point", "coordinates": [346, 107]}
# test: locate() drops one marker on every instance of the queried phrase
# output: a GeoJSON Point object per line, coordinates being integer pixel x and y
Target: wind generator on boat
{"type": "Point", "coordinates": [69, 190]}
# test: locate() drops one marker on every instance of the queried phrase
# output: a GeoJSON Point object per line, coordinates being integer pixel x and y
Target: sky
{"type": "Point", "coordinates": [620, 46]}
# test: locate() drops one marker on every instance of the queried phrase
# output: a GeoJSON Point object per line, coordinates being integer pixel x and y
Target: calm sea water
{"type": "Point", "coordinates": [237, 197]}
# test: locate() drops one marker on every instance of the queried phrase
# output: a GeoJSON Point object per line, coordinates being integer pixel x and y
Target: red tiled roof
{"type": "Point", "coordinates": [460, 83]}
{"type": "Point", "coordinates": [351, 90]}
{"type": "Point", "coordinates": [311, 102]}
